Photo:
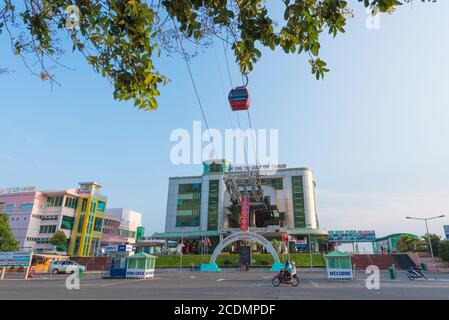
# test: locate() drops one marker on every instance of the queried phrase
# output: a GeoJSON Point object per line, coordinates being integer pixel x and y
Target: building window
{"type": "Point", "coordinates": [212, 217]}
{"type": "Point", "coordinates": [67, 223]}
{"type": "Point", "coordinates": [71, 202]}
{"type": "Point", "coordinates": [48, 217]}
{"type": "Point", "coordinates": [101, 206]}
{"type": "Point", "coordinates": [188, 205]}
{"type": "Point", "coordinates": [298, 202]}
{"type": "Point", "coordinates": [276, 183]}
{"type": "Point", "coordinates": [26, 206]}
{"type": "Point", "coordinates": [9, 207]}
{"type": "Point", "coordinates": [98, 224]}
{"type": "Point", "coordinates": [93, 206]}
{"type": "Point", "coordinates": [83, 205]}
{"type": "Point", "coordinates": [54, 202]}
{"type": "Point", "coordinates": [47, 229]}
{"type": "Point", "coordinates": [80, 224]}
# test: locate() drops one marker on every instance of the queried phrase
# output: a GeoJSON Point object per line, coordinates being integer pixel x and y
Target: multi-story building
{"type": "Point", "coordinates": [120, 226]}
{"type": "Point", "coordinates": [87, 229]}
{"type": "Point", "coordinates": [36, 215]}
{"type": "Point", "coordinates": [201, 206]}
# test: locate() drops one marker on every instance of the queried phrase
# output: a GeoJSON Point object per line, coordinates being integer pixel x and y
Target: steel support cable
{"type": "Point", "coordinates": [181, 48]}
{"type": "Point", "coordinates": [232, 86]}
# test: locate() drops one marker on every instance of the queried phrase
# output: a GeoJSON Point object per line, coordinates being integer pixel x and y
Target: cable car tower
{"type": "Point", "coordinates": [248, 183]}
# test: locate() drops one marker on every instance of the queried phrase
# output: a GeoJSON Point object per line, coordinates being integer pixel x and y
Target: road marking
{"type": "Point", "coordinates": [314, 284]}
{"type": "Point", "coordinates": [220, 280]}
{"type": "Point", "coordinates": [125, 281]}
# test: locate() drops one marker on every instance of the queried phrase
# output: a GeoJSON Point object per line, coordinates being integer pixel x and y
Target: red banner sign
{"type": "Point", "coordinates": [244, 213]}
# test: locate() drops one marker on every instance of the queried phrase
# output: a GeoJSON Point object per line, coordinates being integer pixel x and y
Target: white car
{"type": "Point", "coordinates": [65, 266]}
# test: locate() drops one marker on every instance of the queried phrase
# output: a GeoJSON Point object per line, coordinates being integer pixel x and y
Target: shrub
{"type": "Point", "coordinates": [227, 262]}
{"type": "Point", "coordinates": [443, 250]}
{"type": "Point", "coordinates": [264, 262]}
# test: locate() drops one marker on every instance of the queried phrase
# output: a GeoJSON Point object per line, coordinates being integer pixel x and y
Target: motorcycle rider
{"type": "Point", "coordinates": [293, 271]}
{"type": "Point", "coordinates": [287, 271]}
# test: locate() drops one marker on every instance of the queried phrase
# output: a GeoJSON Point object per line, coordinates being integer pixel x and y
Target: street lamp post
{"type": "Point", "coordinates": [182, 244]}
{"type": "Point", "coordinates": [310, 247]}
{"type": "Point", "coordinates": [428, 237]}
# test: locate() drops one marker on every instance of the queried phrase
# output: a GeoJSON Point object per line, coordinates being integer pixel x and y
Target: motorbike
{"type": "Point", "coordinates": [415, 273]}
{"type": "Point", "coordinates": [283, 277]}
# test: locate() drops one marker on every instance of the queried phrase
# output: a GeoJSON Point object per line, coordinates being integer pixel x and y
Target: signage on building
{"type": "Point", "coordinates": [339, 273]}
{"type": "Point", "coordinates": [17, 189]}
{"type": "Point", "coordinates": [140, 273]}
{"type": "Point", "coordinates": [345, 236]}
{"type": "Point", "coordinates": [15, 259]}
{"type": "Point", "coordinates": [260, 166]}
{"type": "Point", "coordinates": [244, 213]}
{"type": "Point", "coordinates": [446, 231]}
{"type": "Point", "coordinates": [120, 248]}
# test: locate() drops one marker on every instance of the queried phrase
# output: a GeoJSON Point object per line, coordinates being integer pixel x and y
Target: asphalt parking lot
{"type": "Point", "coordinates": [223, 285]}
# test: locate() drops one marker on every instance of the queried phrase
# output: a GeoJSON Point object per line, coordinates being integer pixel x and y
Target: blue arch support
{"type": "Point", "coordinates": [242, 235]}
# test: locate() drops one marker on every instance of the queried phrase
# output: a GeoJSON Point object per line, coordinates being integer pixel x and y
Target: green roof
{"type": "Point", "coordinates": [397, 236]}
{"type": "Point", "coordinates": [337, 254]}
{"type": "Point", "coordinates": [141, 255]}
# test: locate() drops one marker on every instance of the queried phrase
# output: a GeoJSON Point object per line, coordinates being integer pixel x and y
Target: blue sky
{"type": "Point", "coordinates": [375, 131]}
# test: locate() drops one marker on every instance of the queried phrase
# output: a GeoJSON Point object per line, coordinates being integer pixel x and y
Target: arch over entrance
{"type": "Point", "coordinates": [242, 235]}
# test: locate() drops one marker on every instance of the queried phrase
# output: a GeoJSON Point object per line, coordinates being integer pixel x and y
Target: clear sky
{"type": "Point", "coordinates": [375, 131]}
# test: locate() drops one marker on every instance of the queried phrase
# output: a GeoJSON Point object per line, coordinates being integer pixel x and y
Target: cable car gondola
{"type": "Point", "coordinates": [239, 97]}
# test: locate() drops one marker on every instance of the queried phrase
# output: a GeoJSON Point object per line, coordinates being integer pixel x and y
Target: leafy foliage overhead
{"type": "Point", "coordinates": [121, 39]}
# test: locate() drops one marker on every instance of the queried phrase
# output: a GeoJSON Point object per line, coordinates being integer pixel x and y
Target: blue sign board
{"type": "Point", "coordinates": [446, 231]}
{"type": "Point", "coordinates": [15, 259]}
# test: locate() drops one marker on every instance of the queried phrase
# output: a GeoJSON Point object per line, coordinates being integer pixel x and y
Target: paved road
{"type": "Point", "coordinates": [223, 285]}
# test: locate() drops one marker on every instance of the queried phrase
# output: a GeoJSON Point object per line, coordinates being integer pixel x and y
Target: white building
{"type": "Point", "coordinates": [200, 206]}
{"type": "Point", "coordinates": [120, 226]}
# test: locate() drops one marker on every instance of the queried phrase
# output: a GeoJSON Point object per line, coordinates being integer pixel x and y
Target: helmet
{"type": "Point", "coordinates": [293, 263]}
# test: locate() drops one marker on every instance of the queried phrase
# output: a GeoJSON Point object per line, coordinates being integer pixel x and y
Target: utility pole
{"type": "Point", "coordinates": [428, 238]}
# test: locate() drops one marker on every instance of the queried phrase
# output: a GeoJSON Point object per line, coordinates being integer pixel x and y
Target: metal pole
{"type": "Point", "coordinates": [431, 249]}
{"type": "Point", "coordinates": [182, 243]}
{"type": "Point", "coordinates": [310, 252]}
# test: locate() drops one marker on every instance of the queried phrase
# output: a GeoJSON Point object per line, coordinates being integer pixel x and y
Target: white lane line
{"type": "Point", "coordinates": [314, 284]}
{"type": "Point", "coordinates": [125, 281]}
{"type": "Point", "coordinates": [220, 280]}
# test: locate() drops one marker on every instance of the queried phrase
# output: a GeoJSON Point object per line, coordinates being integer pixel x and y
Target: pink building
{"type": "Point", "coordinates": [35, 215]}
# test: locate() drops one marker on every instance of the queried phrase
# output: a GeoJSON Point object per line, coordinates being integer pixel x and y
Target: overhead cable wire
{"type": "Point", "coordinates": [183, 52]}
{"type": "Point", "coordinates": [232, 86]}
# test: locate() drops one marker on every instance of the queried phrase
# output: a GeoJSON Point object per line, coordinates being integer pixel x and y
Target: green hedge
{"type": "Point", "coordinates": [232, 260]}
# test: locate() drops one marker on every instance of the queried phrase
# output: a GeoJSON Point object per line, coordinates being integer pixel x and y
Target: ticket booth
{"type": "Point", "coordinates": [338, 265]}
{"type": "Point", "coordinates": [116, 261]}
{"type": "Point", "coordinates": [141, 265]}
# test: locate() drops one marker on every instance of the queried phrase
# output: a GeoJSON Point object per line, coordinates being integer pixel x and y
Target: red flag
{"type": "Point", "coordinates": [244, 213]}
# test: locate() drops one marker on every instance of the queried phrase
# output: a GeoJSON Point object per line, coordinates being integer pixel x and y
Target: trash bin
{"type": "Point", "coordinates": [392, 272]}
{"type": "Point", "coordinates": [81, 274]}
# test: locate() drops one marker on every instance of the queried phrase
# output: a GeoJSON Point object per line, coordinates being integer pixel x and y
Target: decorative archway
{"type": "Point", "coordinates": [242, 235]}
